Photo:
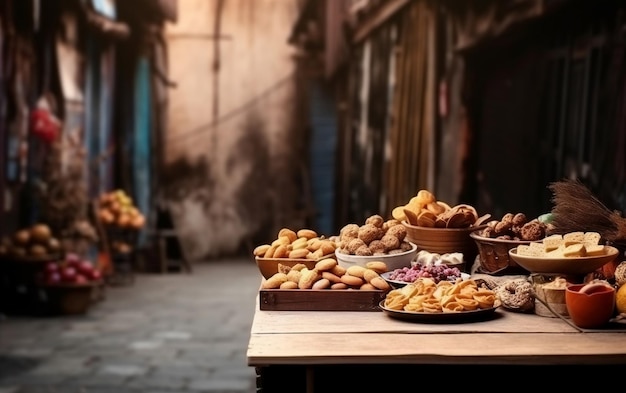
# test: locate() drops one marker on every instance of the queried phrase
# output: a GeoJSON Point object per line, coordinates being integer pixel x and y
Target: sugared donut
{"type": "Point", "coordinates": [516, 295]}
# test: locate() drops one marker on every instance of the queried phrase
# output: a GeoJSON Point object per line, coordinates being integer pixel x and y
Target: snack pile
{"type": "Point", "coordinates": [515, 227]}
{"type": "Point", "coordinates": [424, 295]}
{"type": "Point", "coordinates": [375, 237]}
{"type": "Point", "coordinates": [569, 245]}
{"type": "Point", "coordinates": [434, 272]}
{"type": "Point", "coordinates": [303, 244]}
{"type": "Point", "coordinates": [425, 210]}
{"type": "Point", "coordinates": [328, 274]}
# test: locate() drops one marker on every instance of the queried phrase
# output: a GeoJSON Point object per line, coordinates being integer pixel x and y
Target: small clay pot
{"type": "Point", "coordinates": [592, 309]}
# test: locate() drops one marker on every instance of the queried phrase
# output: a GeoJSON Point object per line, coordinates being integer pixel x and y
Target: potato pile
{"type": "Point", "coordinates": [375, 237]}
{"type": "Point", "coordinates": [34, 241]}
{"type": "Point", "coordinates": [425, 210]}
{"type": "Point", "coordinates": [328, 274]}
{"type": "Point", "coordinates": [303, 244]}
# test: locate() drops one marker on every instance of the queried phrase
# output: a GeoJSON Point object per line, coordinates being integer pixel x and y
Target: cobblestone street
{"type": "Point", "coordinates": [176, 332]}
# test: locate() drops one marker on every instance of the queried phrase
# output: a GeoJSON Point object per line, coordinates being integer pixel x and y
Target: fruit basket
{"type": "Point", "coordinates": [70, 285]}
{"type": "Point", "coordinates": [69, 299]}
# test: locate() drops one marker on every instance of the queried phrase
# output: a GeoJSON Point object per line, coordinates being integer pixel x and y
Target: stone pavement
{"type": "Point", "coordinates": [168, 333]}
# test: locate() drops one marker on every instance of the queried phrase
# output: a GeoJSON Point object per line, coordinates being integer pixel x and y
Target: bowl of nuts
{"type": "Point", "coordinates": [375, 240]}
{"type": "Point", "coordinates": [499, 236]}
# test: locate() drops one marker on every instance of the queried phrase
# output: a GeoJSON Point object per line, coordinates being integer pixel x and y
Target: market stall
{"type": "Point", "coordinates": [340, 312]}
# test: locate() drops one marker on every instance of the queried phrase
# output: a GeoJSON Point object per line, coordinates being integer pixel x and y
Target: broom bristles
{"type": "Point", "coordinates": [577, 209]}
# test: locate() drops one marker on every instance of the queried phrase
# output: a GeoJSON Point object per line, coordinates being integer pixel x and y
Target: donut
{"type": "Point", "coordinates": [516, 295]}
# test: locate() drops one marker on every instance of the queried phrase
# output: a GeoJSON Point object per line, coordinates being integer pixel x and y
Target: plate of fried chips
{"type": "Point", "coordinates": [428, 301]}
{"type": "Point", "coordinates": [442, 317]}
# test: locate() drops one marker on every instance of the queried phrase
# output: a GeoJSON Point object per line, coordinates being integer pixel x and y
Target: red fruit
{"type": "Point", "coordinates": [85, 268]}
{"type": "Point", "coordinates": [96, 275]}
{"type": "Point", "coordinates": [51, 267]}
{"type": "Point", "coordinates": [53, 278]}
{"type": "Point", "coordinates": [80, 279]}
{"type": "Point", "coordinates": [72, 257]}
{"type": "Point", "coordinates": [68, 274]}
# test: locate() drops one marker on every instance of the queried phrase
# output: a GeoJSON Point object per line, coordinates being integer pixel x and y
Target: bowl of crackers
{"type": "Point", "coordinates": [573, 253]}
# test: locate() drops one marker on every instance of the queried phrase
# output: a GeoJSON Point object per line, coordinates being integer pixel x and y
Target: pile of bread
{"type": "Point", "coordinates": [568, 245]}
{"type": "Point", "coordinates": [303, 244]}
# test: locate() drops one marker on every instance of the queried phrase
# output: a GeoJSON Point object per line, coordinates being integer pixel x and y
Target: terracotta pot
{"type": "Point", "coordinates": [590, 310]}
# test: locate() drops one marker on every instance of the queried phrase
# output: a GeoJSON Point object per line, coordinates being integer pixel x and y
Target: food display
{"type": "Point", "coordinates": [328, 274]}
{"type": "Point", "coordinates": [301, 244]}
{"type": "Point", "coordinates": [569, 245]}
{"type": "Point", "coordinates": [424, 210]}
{"type": "Point", "coordinates": [71, 270]}
{"type": "Point", "coordinates": [424, 257]}
{"type": "Point", "coordinates": [549, 294]}
{"type": "Point", "coordinates": [36, 241]}
{"type": "Point", "coordinates": [499, 236]}
{"type": "Point", "coordinates": [376, 237]}
{"type": "Point", "coordinates": [426, 296]}
{"type": "Point", "coordinates": [437, 273]}
{"type": "Point", "coordinates": [308, 272]}
{"type": "Point", "coordinates": [516, 295]}
{"type": "Point", "coordinates": [515, 226]}
{"type": "Point", "coordinates": [117, 209]}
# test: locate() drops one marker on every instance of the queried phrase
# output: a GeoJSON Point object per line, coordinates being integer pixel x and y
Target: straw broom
{"type": "Point", "coordinates": [577, 209]}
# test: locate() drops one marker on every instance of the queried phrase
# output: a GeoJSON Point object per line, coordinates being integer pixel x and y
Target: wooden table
{"type": "Point", "coordinates": [325, 351]}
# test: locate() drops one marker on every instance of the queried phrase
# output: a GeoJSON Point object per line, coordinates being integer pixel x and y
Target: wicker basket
{"type": "Point", "coordinates": [494, 255]}
{"type": "Point", "coordinates": [70, 299]}
{"type": "Point", "coordinates": [549, 300]}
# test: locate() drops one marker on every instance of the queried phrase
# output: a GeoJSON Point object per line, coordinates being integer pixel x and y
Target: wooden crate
{"type": "Point", "coordinates": [320, 300]}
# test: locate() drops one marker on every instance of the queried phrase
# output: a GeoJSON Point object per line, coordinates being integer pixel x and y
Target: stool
{"type": "Point", "coordinates": [169, 251]}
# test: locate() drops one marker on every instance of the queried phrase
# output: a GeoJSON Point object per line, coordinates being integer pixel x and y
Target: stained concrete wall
{"type": "Point", "coordinates": [231, 146]}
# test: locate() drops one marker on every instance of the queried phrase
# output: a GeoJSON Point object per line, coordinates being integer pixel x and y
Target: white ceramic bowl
{"type": "Point", "coordinates": [393, 261]}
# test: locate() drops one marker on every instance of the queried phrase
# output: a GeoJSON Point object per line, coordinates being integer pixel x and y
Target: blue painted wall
{"type": "Point", "coordinates": [141, 139]}
{"type": "Point", "coordinates": [323, 151]}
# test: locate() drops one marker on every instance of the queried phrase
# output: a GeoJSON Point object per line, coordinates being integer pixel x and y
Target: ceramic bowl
{"type": "Point", "coordinates": [444, 240]}
{"type": "Point", "coordinates": [269, 266]}
{"type": "Point", "coordinates": [575, 266]}
{"type": "Point", "coordinates": [393, 261]}
{"type": "Point", "coordinates": [590, 310]}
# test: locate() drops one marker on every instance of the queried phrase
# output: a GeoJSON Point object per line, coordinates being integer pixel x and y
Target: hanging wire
{"type": "Point", "coordinates": [235, 112]}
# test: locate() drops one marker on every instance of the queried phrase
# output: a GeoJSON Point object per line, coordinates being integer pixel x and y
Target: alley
{"type": "Point", "coordinates": [176, 332]}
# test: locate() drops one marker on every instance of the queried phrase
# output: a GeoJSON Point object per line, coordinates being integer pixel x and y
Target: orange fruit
{"type": "Point", "coordinates": [620, 299]}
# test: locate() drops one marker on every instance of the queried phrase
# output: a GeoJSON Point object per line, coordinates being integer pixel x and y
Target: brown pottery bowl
{"type": "Point", "coordinates": [590, 310]}
{"type": "Point", "coordinates": [444, 240]}
{"type": "Point", "coordinates": [269, 266]}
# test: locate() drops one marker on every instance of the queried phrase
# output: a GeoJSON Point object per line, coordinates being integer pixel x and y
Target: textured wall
{"type": "Point", "coordinates": [233, 123]}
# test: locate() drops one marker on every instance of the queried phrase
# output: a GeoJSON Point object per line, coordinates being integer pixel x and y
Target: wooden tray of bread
{"type": "Point", "coordinates": [320, 299]}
